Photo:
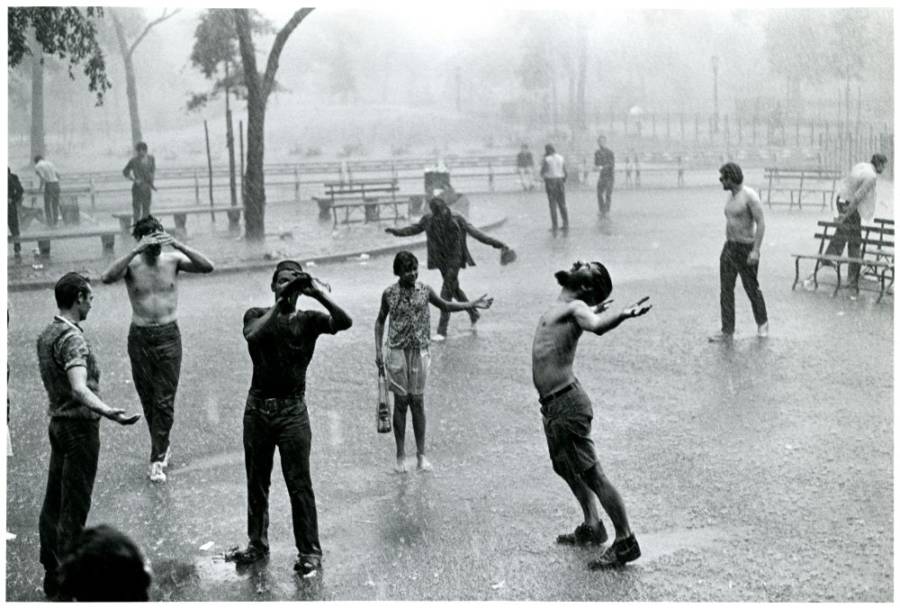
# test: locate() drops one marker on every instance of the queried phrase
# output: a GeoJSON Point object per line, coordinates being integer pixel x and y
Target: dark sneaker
{"type": "Point", "coordinates": [307, 566]}
{"type": "Point", "coordinates": [617, 554]}
{"type": "Point", "coordinates": [584, 535]}
{"type": "Point", "coordinates": [246, 556]}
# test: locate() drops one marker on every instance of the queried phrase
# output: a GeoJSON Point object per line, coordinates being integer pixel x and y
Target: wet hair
{"type": "Point", "coordinates": [404, 261]}
{"type": "Point", "coordinates": [146, 225]}
{"type": "Point", "coordinates": [285, 265]}
{"type": "Point", "coordinates": [69, 288]}
{"type": "Point", "coordinates": [879, 158]}
{"type": "Point", "coordinates": [549, 149]}
{"type": "Point", "coordinates": [732, 171]}
{"type": "Point", "coordinates": [38, 158]}
{"type": "Point", "coordinates": [104, 566]}
{"type": "Point", "coordinates": [602, 282]}
{"type": "Point", "coordinates": [140, 146]}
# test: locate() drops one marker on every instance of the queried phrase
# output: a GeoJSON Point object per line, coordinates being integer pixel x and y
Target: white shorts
{"type": "Point", "coordinates": [406, 370]}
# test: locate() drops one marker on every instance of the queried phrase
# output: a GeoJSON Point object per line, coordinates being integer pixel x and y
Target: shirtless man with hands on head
{"type": "Point", "coordinates": [567, 409]}
{"type": "Point", "coordinates": [154, 340]}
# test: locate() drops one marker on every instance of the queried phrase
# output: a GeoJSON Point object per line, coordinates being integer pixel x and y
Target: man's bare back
{"type": "Point", "coordinates": [152, 289]}
{"type": "Point", "coordinates": [740, 222]}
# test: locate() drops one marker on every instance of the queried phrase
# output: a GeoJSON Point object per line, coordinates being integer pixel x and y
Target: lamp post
{"type": "Point", "coordinates": [715, 67]}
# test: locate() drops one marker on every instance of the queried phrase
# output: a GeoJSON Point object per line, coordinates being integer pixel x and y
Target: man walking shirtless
{"type": "Point", "coordinates": [154, 340]}
{"type": "Point", "coordinates": [744, 230]}
{"type": "Point", "coordinates": [567, 409]}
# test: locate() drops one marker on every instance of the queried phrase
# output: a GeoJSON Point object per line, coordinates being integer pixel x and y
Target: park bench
{"type": "Point", "coordinates": [361, 193]}
{"type": "Point", "coordinates": [180, 215]}
{"type": "Point", "coordinates": [796, 182]}
{"type": "Point", "coordinates": [107, 239]}
{"type": "Point", "coordinates": [876, 255]}
{"type": "Point", "coordinates": [68, 206]}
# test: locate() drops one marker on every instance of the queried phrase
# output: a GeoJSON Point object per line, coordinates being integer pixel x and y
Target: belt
{"type": "Point", "coordinates": [556, 394]}
{"type": "Point", "coordinates": [273, 404]}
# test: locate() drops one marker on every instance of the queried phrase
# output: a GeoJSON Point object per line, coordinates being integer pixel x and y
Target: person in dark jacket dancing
{"type": "Point", "coordinates": [447, 251]}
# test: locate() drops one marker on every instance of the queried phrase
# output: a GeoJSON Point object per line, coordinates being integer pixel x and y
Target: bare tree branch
{"type": "Point", "coordinates": [277, 46]}
{"type": "Point", "coordinates": [165, 15]}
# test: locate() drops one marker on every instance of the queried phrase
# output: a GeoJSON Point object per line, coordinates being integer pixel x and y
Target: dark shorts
{"type": "Point", "coordinates": [567, 425]}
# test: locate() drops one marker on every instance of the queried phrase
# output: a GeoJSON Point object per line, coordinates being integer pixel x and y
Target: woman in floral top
{"type": "Point", "coordinates": [406, 364]}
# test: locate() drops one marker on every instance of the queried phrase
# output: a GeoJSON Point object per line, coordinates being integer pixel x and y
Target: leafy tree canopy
{"type": "Point", "coordinates": [66, 32]}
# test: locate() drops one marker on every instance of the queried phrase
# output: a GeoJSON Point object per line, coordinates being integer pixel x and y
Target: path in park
{"type": "Point", "coordinates": [760, 471]}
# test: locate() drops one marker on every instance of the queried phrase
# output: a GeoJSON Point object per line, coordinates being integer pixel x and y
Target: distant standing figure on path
{"type": "Point", "coordinates": [525, 167]}
{"type": "Point", "coordinates": [281, 340]}
{"type": "Point", "coordinates": [407, 302]}
{"type": "Point", "coordinates": [49, 177]}
{"type": "Point", "coordinates": [605, 163]}
{"type": "Point", "coordinates": [14, 195]}
{"type": "Point", "coordinates": [855, 202]}
{"type": "Point", "coordinates": [637, 171]}
{"type": "Point", "coordinates": [629, 167]}
{"type": "Point", "coordinates": [554, 174]}
{"type": "Point", "coordinates": [567, 410]}
{"type": "Point", "coordinates": [141, 170]}
{"type": "Point", "coordinates": [447, 251]}
{"type": "Point", "coordinates": [680, 172]}
{"type": "Point", "coordinates": [744, 231]}
{"type": "Point", "coordinates": [154, 340]}
{"type": "Point", "coordinates": [71, 377]}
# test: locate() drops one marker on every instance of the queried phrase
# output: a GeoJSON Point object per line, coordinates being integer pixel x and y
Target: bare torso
{"type": "Point", "coordinates": [153, 289]}
{"type": "Point", "coordinates": [739, 223]}
{"type": "Point", "coordinates": [553, 349]}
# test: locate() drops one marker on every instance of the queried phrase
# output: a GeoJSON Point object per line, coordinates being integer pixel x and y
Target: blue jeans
{"type": "Point", "coordinates": [74, 451]}
{"type": "Point", "coordinates": [155, 354]}
{"type": "Point", "coordinates": [282, 423]}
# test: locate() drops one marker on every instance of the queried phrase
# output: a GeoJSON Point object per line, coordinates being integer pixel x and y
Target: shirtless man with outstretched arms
{"type": "Point", "coordinates": [567, 409]}
{"type": "Point", "coordinates": [154, 340]}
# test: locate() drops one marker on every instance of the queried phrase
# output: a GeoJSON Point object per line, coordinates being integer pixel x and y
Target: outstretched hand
{"type": "Point", "coordinates": [602, 306]}
{"type": "Point", "coordinates": [392, 231]}
{"type": "Point", "coordinates": [483, 302]}
{"type": "Point", "coordinates": [122, 418]}
{"type": "Point", "coordinates": [641, 307]}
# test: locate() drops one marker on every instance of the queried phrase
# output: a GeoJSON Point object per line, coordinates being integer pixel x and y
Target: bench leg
{"type": "Point", "coordinates": [109, 244]}
{"type": "Point", "coordinates": [334, 213]}
{"type": "Point", "coordinates": [837, 267]}
{"type": "Point", "coordinates": [124, 225]}
{"type": "Point", "coordinates": [796, 273]}
{"type": "Point", "coordinates": [44, 250]}
{"type": "Point", "coordinates": [181, 225]}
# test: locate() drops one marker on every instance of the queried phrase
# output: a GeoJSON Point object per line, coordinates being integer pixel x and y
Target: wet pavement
{"type": "Point", "coordinates": [759, 471]}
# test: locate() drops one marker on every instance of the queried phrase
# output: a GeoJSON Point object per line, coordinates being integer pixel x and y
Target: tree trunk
{"type": "Point", "coordinates": [229, 140]}
{"type": "Point", "coordinates": [37, 105]}
{"type": "Point", "coordinates": [130, 83]}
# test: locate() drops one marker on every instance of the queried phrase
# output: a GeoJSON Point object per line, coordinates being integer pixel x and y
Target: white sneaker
{"type": "Point", "coordinates": [156, 472]}
{"type": "Point", "coordinates": [763, 330]}
{"type": "Point", "coordinates": [438, 338]}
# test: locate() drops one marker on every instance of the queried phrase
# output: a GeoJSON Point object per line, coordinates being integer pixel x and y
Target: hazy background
{"type": "Point", "coordinates": [427, 78]}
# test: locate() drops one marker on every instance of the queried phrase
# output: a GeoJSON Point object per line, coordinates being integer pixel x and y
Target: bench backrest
{"type": "Point", "coordinates": [875, 242]}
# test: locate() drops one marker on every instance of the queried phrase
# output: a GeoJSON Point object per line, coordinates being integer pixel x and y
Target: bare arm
{"type": "Point", "coordinates": [589, 319]}
{"type": "Point", "coordinates": [77, 376]}
{"type": "Point", "coordinates": [119, 268]}
{"type": "Point", "coordinates": [255, 328]}
{"type": "Point", "coordinates": [757, 212]}
{"type": "Point", "coordinates": [379, 330]}
{"type": "Point", "coordinates": [340, 320]}
{"type": "Point", "coordinates": [127, 170]}
{"type": "Point", "coordinates": [444, 305]}
{"type": "Point", "coordinates": [196, 262]}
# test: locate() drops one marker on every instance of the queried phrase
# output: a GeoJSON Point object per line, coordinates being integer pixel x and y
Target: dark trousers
{"type": "Point", "coordinates": [733, 262]}
{"type": "Point", "coordinates": [51, 203]}
{"type": "Point", "coordinates": [604, 193]}
{"type": "Point", "coordinates": [141, 197]}
{"type": "Point", "coordinates": [74, 451]}
{"type": "Point", "coordinates": [155, 354]}
{"type": "Point", "coordinates": [12, 218]}
{"type": "Point", "coordinates": [283, 423]}
{"type": "Point", "coordinates": [850, 234]}
{"type": "Point", "coordinates": [556, 196]}
{"type": "Point", "coordinates": [450, 290]}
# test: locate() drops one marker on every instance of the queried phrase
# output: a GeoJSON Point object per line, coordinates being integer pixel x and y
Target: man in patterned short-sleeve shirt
{"type": "Point", "coordinates": [406, 365]}
{"type": "Point", "coordinates": [71, 377]}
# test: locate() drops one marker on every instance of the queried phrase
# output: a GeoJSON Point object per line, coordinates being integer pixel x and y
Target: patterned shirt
{"type": "Point", "coordinates": [409, 324]}
{"type": "Point", "coordinates": [62, 346]}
